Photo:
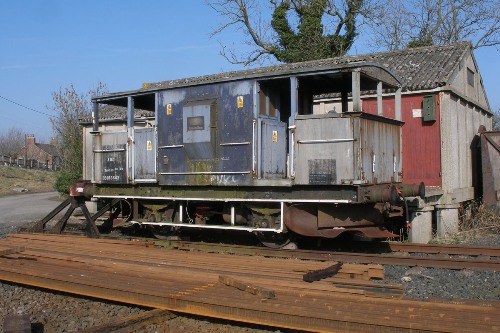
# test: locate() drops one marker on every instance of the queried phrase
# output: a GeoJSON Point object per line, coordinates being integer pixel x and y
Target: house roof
{"type": "Point", "coordinates": [116, 113]}
{"type": "Point", "coordinates": [48, 148]}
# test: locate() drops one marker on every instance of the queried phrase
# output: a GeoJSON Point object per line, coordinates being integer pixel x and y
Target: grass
{"type": "Point", "coordinates": [35, 181]}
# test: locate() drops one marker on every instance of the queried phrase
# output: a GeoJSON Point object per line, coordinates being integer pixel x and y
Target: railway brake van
{"type": "Point", "coordinates": [246, 151]}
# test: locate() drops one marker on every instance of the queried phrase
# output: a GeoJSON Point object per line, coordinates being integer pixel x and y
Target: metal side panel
{"type": "Point", "coordinates": [145, 154]}
{"type": "Point", "coordinates": [171, 161]}
{"type": "Point", "coordinates": [324, 150]}
{"type": "Point", "coordinates": [380, 147]}
{"type": "Point", "coordinates": [205, 135]}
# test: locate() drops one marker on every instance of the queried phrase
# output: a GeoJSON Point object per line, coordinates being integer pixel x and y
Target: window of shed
{"type": "Point", "coordinates": [470, 77]}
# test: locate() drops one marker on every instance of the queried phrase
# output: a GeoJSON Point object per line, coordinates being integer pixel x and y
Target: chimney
{"type": "Point", "coordinates": [53, 141]}
{"type": "Point", "coordinates": [30, 140]}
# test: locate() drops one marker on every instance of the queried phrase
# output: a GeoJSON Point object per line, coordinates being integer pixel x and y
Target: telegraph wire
{"type": "Point", "coordinates": [30, 122]}
{"type": "Point", "coordinates": [25, 107]}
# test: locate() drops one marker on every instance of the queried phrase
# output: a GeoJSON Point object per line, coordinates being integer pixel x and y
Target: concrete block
{"type": "Point", "coordinates": [446, 220]}
{"type": "Point", "coordinates": [91, 206]}
{"type": "Point", "coordinates": [421, 225]}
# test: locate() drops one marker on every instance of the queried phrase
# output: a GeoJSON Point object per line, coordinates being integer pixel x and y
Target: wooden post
{"type": "Point", "coordinates": [356, 91]}
{"type": "Point", "coordinates": [397, 100]}
{"type": "Point", "coordinates": [380, 109]}
{"type": "Point", "coordinates": [95, 116]}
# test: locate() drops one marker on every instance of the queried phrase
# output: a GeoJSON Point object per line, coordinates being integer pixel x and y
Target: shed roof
{"type": "Point", "coordinates": [416, 69]}
{"type": "Point", "coordinates": [423, 67]}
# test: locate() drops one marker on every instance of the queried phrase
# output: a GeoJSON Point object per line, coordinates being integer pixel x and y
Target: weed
{"type": "Point", "coordinates": [476, 218]}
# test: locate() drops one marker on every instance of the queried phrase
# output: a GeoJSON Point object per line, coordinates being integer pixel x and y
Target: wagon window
{"type": "Point", "coordinates": [195, 123]}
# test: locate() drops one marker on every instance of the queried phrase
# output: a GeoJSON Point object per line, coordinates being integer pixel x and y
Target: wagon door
{"type": "Point", "coordinates": [145, 154]}
{"type": "Point", "coordinates": [273, 152]}
{"type": "Point", "coordinates": [110, 158]}
{"type": "Point", "coordinates": [273, 106]}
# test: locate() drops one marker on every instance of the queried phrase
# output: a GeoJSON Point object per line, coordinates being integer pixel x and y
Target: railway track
{"type": "Point", "coordinates": [462, 257]}
{"type": "Point", "coordinates": [448, 249]}
{"type": "Point", "coordinates": [189, 281]}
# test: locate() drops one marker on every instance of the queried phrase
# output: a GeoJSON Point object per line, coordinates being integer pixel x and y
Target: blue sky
{"type": "Point", "coordinates": [50, 44]}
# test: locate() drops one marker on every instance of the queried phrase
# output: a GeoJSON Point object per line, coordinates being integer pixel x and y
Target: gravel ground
{"type": "Point", "coordinates": [58, 312]}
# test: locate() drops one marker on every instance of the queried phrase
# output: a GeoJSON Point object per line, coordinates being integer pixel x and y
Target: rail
{"type": "Point", "coordinates": [362, 258]}
{"type": "Point", "coordinates": [189, 282]}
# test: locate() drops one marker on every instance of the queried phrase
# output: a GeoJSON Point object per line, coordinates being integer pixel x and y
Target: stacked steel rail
{"type": "Point", "coordinates": [139, 273]}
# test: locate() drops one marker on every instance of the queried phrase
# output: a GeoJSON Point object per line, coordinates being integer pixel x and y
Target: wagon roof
{"type": "Point", "coordinates": [116, 113]}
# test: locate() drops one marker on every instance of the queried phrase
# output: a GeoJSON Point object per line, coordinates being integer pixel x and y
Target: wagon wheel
{"type": "Point", "coordinates": [277, 240]}
{"type": "Point", "coordinates": [164, 232]}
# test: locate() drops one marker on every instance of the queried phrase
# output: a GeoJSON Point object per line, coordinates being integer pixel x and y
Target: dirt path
{"type": "Point", "coordinates": [20, 209]}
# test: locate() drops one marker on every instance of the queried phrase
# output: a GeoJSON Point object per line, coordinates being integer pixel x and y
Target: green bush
{"type": "Point", "coordinates": [65, 179]}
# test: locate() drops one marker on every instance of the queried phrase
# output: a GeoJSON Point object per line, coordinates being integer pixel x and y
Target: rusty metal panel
{"type": "Point", "coordinates": [110, 158]}
{"type": "Point", "coordinates": [145, 153]}
{"type": "Point", "coordinates": [490, 161]}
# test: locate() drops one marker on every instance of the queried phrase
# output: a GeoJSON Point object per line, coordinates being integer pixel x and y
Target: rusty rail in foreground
{"type": "Point", "coordinates": [188, 282]}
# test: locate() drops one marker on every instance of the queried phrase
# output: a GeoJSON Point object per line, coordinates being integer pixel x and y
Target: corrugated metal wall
{"type": "Point", "coordinates": [460, 124]}
{"type": "Point", "coordinates": [380, 151]}
{"type": "Point", "coordinates": [421, 140]}
{"type": "Point", "coordinates": [490, 152]}
{"type": "Point", "coordinates": [333, 150]}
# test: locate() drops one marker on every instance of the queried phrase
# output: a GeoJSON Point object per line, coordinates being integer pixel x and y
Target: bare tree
{"type": "Point", "coordinates": [294, 30]}
{"type": "Point", "coordinates": [69, 106]}
{"type": "Point", "coordinates": [11, 143]}
{"type": "Point", "coordinates": [496, 120]}
{"type": "Point", "coordinates": [402, 23]}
